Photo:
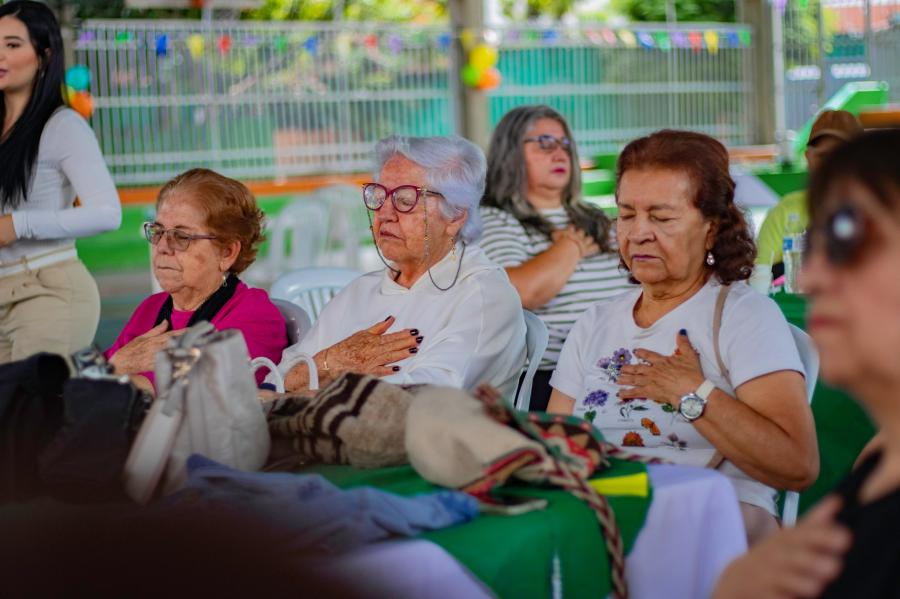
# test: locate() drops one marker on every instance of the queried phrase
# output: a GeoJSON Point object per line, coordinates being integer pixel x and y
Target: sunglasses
{"type": "Point", "coordinates": [403, 197]}
{"type": "Point", "coordinates": [176, 238]}
{"type": "Point", "coordinates": [844, 235]}
{"type": "Point", "coordinates": [549, 143]}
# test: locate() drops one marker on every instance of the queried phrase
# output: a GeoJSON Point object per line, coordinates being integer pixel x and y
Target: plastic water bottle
{"type": "Point", "coordinates": [792, 252]}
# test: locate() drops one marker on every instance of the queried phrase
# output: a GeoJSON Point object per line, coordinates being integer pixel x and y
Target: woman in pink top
{"type": "Point", "coordinates": [206, 232]}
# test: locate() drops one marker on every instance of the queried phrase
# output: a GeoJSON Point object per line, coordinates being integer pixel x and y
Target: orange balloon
{"type": "Point", "coordinates": [490, 79]}
{"type": "Point", "coordinates": [82, 103]}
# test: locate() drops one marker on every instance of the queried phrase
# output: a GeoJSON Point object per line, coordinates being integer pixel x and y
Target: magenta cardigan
{"type": "Point", "coordinates": [248, 310]}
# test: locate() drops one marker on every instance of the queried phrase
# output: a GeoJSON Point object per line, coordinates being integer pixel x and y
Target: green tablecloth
{"type": "Point", "coordinates": [842, 426]}
{"type": "Point", "coordinates": [513, 555]}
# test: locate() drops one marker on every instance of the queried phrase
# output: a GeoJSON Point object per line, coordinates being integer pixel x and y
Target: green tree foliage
{"type": "Point", "coordinates": [686, 10]}
{"type": "Point", "coordinates": [416, 11]}
{"type": "Point", "coordinates": [537, 8]}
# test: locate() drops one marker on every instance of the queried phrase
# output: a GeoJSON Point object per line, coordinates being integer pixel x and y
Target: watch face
{"type": "Point", "coordinates": [691, 406]}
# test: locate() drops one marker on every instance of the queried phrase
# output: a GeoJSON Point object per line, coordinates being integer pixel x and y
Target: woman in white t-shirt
{"type": "Point", "coordinates": [556, 249]}
{"type": "Point", "coordinates": [643, 367]}
{"type": "Point", "coordinates": [48, 156]}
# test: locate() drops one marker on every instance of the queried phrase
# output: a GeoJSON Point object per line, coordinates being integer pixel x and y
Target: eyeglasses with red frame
{"type": "Point", "coordinates": [403, 197]}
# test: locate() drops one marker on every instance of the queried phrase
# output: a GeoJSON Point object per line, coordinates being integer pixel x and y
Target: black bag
{"type": "Point", "coordinates": [84, 461]}
{"type": "Point", "coordinates": [30, 415]}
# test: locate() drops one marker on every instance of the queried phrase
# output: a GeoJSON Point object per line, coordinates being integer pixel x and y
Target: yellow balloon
{"type": "Point", "coordinates": [483, 57]}
{"type": "Point", "coordinates": [195, 45]}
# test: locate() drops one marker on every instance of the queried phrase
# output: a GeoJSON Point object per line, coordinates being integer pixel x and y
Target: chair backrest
{"type": "Point", "coordinates": [810, 359]}
{"type": "Point", "coordinates": [312, 287]}
{"type": "Point", "coordinates": [536, 337]}
{"type": "Point", "coordinates": [348, 223]}
{"type": "Point", "coordinates": [297, 234]}
{"type": "Point", "coordinates": [296, 319]}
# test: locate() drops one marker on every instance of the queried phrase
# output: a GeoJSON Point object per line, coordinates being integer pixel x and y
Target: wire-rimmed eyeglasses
{"type": "Point", "coordinates": [177, 239]}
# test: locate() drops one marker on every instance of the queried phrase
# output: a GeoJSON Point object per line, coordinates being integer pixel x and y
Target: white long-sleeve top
{"type": "Point", "coordinates": [473, 333]}
{"type": "Point", "coordinates": [69, 164]}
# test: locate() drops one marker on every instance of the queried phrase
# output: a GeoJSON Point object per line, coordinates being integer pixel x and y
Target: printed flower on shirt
{"type": "Point", "coordinates": [650, 426]}
{"type": "Point", "coordinates": [632, 439]}
{"type": "Point", "coordinates": [673, 441]}
{"type": "Point", "coordinates": [595, 399]}
{"type": "Point", "coordinates": [629, 405]}
{"type": "Point", "coordinates": [612, 365]}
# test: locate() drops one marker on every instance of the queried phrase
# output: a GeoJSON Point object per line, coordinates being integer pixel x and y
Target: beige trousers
{"type": "Point", "coordinates": [51, 309]}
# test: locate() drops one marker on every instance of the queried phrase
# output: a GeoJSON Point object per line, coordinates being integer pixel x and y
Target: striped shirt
{"type": "Point", "coordinates": [508, 243]}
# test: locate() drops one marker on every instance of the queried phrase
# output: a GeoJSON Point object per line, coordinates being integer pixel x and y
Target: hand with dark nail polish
{"type": "Point", "coordinates": [396, 369]}
{"type": "Point", "coordinates": [413, 350]}
{"type": "Point", "coordinates": [414, 332]}
{"type": "Point", "coordinates": [419, 339]}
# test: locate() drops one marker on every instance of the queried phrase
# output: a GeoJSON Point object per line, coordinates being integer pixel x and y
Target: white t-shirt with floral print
{"type": "Point", "coordinates": [754, 340]}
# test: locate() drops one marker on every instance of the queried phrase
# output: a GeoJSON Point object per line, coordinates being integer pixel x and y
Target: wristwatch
{"type": "Point", "coordinates": [693, 404]}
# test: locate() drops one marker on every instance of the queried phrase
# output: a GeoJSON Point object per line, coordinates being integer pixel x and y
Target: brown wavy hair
{"type": "Point", "coordinates": [705, 161]}
{"type": "Point", "coordinates": [231, 210]}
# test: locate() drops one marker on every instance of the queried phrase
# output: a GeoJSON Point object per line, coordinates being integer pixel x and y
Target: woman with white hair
{"type": "Point", "coordinates": [440, 312]}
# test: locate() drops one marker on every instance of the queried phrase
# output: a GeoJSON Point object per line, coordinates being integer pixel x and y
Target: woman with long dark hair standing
{"type": "Point", "coordinates": [48, 157]}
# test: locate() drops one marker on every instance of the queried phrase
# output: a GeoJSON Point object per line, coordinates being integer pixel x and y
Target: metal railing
{"type": "Point", "coordinates": [272, 100]}
{"type": "Point", "coordinates": [612, 91]}
{"type": "Point", "coordinates": [827, 44]}
{"type": "Point", "coordinates": [258, 100]}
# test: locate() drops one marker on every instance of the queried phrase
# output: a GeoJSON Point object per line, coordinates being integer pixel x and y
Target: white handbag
{"type": "Point", "coordinates": [207, 404]}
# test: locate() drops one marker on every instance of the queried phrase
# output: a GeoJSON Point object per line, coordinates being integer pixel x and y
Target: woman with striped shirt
{"type": "Point", "coordinates": [556, 249]}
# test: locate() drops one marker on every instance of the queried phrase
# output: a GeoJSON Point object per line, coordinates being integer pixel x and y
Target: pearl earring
{"type": "Point", "coordinates": [710, 259]}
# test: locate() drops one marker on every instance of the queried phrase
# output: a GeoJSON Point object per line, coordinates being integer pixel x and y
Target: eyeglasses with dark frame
{"type": "Point", "coordinates": [177, 239]}
{"type": "Point", "coordinates": [844, 235]}
{"type": "Point", "coordinates": [549, 143]}
{"type": "Point", "coordinates": [403, 197]}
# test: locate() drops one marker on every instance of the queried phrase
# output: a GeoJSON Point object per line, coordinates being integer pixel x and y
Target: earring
{"type": "Point", "coordinates": [453, 248]}
{"type": "Point", "coordinates": [710, 259]}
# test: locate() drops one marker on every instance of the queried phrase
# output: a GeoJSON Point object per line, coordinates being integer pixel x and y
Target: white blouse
{"type": "Point", "coordinates": [473, 333]}
{"type": "Point", "coordinates": [69, 164]}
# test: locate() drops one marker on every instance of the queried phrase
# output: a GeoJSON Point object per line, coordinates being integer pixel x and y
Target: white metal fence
{"type": "Point", "coordinates": [257, 100]}
{"type": "Point", "coordinates": [614, 86]}
{"type": "Point", "coordinates": [272, 100]}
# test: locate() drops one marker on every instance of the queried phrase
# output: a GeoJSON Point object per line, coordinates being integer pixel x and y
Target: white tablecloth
{"type": "Point", "coordinates": [693, 530]}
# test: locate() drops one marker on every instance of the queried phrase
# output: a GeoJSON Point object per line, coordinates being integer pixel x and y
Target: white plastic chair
{"type": "Point", "coordinates": [297, 237]}
{"type": "Point", "coordinates": [348, 225]}
{"type": "Point", "coordinates": [810, 359]}
{"type": "Point", "coordinates": [296, 319]}
{"type": "Point", "coordinates": [536, 337]}
{"type": "Point", "coordinates": [312, 287]}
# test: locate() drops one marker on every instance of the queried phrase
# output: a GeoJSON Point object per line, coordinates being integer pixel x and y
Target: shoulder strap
{"type": "Point", "coordinates": [717, 326]}
{"type": "Point", "coordinates": [718, 458]}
